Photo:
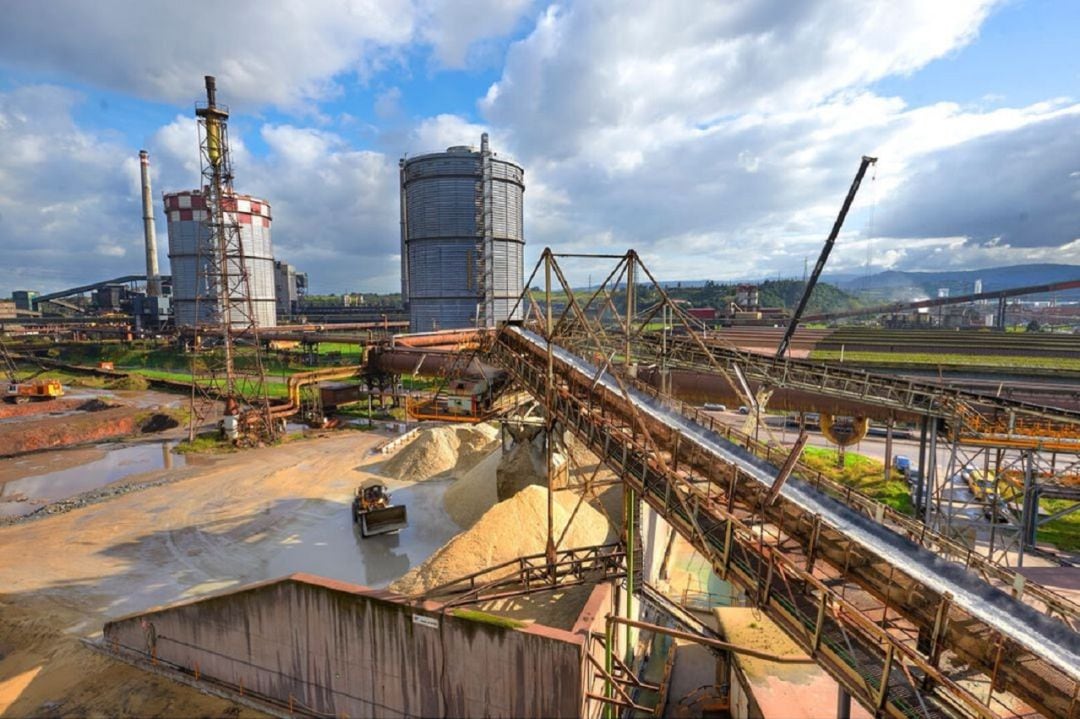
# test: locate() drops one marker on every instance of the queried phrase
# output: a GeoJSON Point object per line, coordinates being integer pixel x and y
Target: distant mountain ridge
{"type": "Point", "coordinates": [903, 285]}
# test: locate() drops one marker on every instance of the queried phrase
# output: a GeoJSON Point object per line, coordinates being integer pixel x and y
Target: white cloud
{"type": "Point", "coordinates": [286, 53]}
{"type": "Point", "coordinates": [281, 53]}
{"type": "Point", "coordinates": [68, 211]}
{"type": "Point", "coordinates": [435, 134]}
{"type": "Point", "coordinates": [726, 143]}
{"type": "Point", "coordinates": [717, 139]}
{"type": "Point", "coordinates": [454, 27]}
{"type": "Point", "coordinates": [593, 66]}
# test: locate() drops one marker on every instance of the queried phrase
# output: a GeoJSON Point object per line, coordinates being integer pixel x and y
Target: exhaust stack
{"type": "Point", "coordinates": [153, 281]}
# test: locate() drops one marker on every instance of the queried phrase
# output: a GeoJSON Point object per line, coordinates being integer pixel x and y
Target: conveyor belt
{"type": "Point", "coordinates": [1043, 636]}
{"type": "Point", "coordinates": [978, 612]}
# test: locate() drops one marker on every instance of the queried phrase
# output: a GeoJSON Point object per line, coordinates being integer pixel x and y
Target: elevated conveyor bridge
{"type": "Point", "coordinates": [875, 609]}
{"type": "Point", "coordinates": [869, 593]}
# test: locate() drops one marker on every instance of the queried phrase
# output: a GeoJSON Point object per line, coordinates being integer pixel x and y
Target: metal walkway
{"type": "Point", "coordinates": [876, 610]}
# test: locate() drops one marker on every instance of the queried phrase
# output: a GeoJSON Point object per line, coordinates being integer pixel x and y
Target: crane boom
{"type": "Point", "coordinates": [781, 349]}
{"type": "Point", "coordinates": [8, 363]}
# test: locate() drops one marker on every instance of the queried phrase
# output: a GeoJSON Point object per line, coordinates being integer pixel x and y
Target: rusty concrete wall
{"type": "Point", "coordinates": [343, 650]}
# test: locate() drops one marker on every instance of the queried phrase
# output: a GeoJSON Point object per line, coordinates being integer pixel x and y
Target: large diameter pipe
{"type": "Point", "coordinates": [153, 279]}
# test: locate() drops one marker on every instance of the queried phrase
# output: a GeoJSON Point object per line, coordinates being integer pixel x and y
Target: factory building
{"type": "Point", "coordinates": [187, 217]}
{"type": "Point", "coordinates": [290, 287]}
{"type": "Point", "coordinates": [25, 300]}
{"type": "Point", "coordinates": [462, 238]}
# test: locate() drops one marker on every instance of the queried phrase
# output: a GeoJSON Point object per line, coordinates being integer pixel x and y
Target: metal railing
{"type": "Point", "coordinates": [790, 562]}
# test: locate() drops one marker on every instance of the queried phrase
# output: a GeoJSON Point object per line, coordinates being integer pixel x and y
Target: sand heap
{"type": "Point", "coordinates": [437, 450]}
{"type": "Point", "coordinates": [474, 492]}
{"type": "Point", "coordinates": [523, 466]}
{"type": "Point", "coordinates": [508, 530]}
{"type": "Point", "coordinates": [500, 476]}
{"type": "Point", "coordinates": [747, 627]}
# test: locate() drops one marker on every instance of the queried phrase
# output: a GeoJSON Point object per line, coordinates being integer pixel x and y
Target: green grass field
{"type": "Point", "coordinates": [862, 473]}
{"type": "Point", "coordinates": [1049, 363]}
{"type": "Point", "coordinates": [1063, 533]}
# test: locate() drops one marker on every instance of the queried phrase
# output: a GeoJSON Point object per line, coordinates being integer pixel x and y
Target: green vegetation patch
{"type": "Point", "coordinates": [478, 616]}
{"type": "Point", "coordinates": [1064, 532]}
{"type": "Point", "coordinates": [1050, 363]}
{"type": "Point", "coordinates": [862, 473]}
{"type": "Point", "coordinates": [206, 443]}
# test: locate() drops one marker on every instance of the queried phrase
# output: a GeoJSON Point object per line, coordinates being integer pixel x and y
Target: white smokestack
{"type": "Point", "coordinates": [153, 282]}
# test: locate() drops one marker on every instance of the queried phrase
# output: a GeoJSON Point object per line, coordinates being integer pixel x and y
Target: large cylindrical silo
{"type": "Point", "coordinates": [462, 238]}
{"type": "Point", "coordinates": [187, 216]}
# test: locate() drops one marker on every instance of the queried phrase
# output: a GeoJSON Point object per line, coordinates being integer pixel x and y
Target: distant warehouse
{"type": "Point", "coordinates": [462, 238]}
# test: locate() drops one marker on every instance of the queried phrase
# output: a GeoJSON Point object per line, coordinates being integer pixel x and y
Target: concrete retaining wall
{"type": "Point", "coordinates": [398, 442]}
{"type": "Point", "coordinates": [343, 650]}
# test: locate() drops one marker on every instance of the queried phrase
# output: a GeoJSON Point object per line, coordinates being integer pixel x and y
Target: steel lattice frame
{"type": "Point", "coordinates": [225, 316]}
{"type": "Point", "coordinates": [795, 567]}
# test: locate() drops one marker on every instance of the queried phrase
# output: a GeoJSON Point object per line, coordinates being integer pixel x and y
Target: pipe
{"type": "Point", "coordinates": [630, 500]}
{"type": "Point", "coordinates": [153, 279]}
{"type": "Point", "coordinates": [451, 338]}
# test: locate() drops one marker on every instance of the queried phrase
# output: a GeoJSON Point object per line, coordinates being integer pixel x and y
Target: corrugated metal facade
{"type": "Point", "coordinates": [443, 238]}
{"type": "Point", "coordinates": [187, 214]}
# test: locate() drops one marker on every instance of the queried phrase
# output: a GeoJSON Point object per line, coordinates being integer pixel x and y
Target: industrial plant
{"type": "Point", "coordinates": [509, 495]}
{"type": "Point", "coordinates": [462, 238]}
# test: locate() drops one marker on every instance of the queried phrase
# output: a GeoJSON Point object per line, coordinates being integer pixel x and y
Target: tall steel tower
{"type": "Point", "coordinates": [227, 361]}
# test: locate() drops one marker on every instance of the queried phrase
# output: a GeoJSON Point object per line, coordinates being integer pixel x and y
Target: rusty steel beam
{"type": "Point", "coordinates": [639, 446]}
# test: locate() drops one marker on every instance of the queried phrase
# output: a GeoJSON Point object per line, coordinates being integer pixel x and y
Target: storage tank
{"type": "Point", "coordinates": [462, 238]}
{"type": "Point", "coordinates": [187, 215]}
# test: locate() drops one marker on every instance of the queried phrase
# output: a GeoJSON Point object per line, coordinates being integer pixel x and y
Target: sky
{"type": "Point", "coordinates": [717, 139]}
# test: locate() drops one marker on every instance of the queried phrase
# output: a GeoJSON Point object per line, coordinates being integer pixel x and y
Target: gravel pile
{"type": "Point", "coordinates": [438, 450]}
{"type": "Point", "coordinates": [474, 492]}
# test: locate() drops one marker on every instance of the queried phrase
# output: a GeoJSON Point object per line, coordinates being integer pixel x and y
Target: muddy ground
{"type": "Point", "coordinates": [234, 519]}
{"type": "Point", "coordinates": [82, 417]}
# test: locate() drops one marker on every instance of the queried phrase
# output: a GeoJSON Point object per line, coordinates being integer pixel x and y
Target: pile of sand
{"type": "Point", "coordinates": [508, 530]}
{"type": "Point", "coordinates": [747, 627]}
{"type": "Point", "coordinates": [524, 465]}
{"type": "Point", "coordinates": [438, 450]}
{"type": "Point", "coordinates": [474, 492]}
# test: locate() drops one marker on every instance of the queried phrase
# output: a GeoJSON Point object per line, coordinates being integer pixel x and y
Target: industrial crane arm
{"type": "Point", "coordinates": [781, 350]}
{"type": "Point", "coordinates": [9, 364]}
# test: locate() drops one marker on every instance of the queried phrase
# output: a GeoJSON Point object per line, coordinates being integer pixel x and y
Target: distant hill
{"type": "Point", "coordinates": [772, 293]}
{"type": "Point", "coordinates": [896, 285]}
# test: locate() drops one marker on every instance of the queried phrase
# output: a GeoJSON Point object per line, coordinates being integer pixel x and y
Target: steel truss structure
{"type": "Point", "coordinates": [852, 584]}
{"type": "Point", "coordinates": [225, 318]}
{"type": "Point", "coordinates": [533, 573]}
{"type": "Point", "coordinates": [991, 498]}
{"type": "Point", "coordinates": [957, 421]}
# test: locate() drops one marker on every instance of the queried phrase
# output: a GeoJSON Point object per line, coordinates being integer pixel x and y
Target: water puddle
{"type": "Point", "coordinates": [25, 494]}
{"type": "Point", "coordinates": [331, 547]}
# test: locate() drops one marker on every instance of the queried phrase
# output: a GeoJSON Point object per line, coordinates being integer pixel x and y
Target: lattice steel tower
{"type": "Point", "coordinates": [225, 317]}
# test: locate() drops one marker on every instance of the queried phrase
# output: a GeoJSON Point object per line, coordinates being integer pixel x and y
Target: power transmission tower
{"type": "Point", "coordinates": [227, 360]}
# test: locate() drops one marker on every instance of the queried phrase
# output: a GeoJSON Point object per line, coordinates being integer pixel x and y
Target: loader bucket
{"type": "Point", "coordinates": [382, 521]}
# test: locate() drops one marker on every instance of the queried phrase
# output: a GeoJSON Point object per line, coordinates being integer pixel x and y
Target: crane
{"type": "Point", "coordinates": [17, 392]}
{"type": "Point", "coordinates": [781, 349]}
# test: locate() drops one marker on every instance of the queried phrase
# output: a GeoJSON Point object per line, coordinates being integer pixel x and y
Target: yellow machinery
{"type": "Point", "coordinates": [844, 432]}
{"type": "Point", "coordinates": [373, 512]}
{"type": "Point", "coordinates": [18, 392]}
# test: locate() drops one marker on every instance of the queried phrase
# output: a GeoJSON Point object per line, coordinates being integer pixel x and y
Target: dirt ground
{"type": "Point", "coordinates": [65, 575]}
{"type": "Point", "coordinates": [81, 417]}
